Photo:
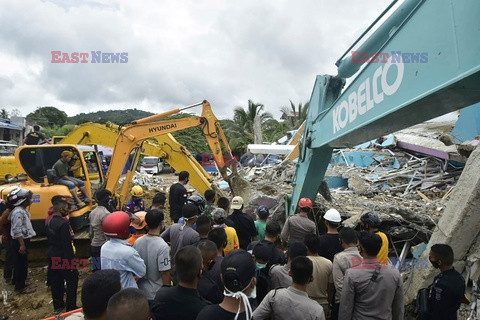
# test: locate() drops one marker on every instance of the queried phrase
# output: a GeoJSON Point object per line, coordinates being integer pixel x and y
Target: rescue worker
{"type": "Point", "coordinates": [371, 221]}
{"type": "Point", "coordinates": [329, 242]}
{"type": "Point", "coordinates": [298, 226]}
{"type": "Point", "coordinates": [136, 204]}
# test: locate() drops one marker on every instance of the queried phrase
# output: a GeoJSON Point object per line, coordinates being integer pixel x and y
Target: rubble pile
{"type": "Point", "coordinates": [409, 190]}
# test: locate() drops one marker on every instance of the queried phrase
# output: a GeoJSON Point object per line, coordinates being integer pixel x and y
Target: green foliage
{"type": "Point", "coordinates": [57, 130]}
{"type": "Point", "coordinates": [4, 114]}
{"type": "Point", "coordinates": [47, 117]}
{"type": "Point", "coordinates": [274, 130]}
{"type": "Point", "coordinates": [295, 115]}
{"type": "Point", "coordinates": [119, 117]}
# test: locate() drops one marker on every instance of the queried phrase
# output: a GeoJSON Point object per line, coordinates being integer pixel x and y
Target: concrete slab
{"type": "Point", "coordinates": [459, 225]}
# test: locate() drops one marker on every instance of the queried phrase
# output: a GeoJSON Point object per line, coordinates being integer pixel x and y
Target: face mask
{"type": "Point", "coordinates": [64, 212]}
{"type": "Point", "coordinates": [9, 179]}
{"type": "Point", "coordinates": [253, 294]}
{"type": "Point", "coordinates": [434, 264]}
{"type": "Point", "coordinates": [260, 265]}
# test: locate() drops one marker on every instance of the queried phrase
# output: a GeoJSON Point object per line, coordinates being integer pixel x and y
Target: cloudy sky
{"type": "Point", "coordinates": [179, 52]}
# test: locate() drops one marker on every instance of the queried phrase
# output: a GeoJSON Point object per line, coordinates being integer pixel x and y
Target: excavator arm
{"type": "Point", "coordinates": [432, 68]}
{"type": "Point", "coordinates": [166, 146]}
{"type": "Point", "coordinates": [132, 137]}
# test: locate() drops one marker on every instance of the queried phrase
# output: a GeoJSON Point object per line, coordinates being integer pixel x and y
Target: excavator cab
{"type": "Point", "coordinates": [36, 162]}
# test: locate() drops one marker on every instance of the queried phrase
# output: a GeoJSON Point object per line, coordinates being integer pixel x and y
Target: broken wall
{"type": "Point", "coordinates": [458, 227]}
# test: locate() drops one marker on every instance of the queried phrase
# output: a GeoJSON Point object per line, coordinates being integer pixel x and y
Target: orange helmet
{"type": "Point", "coordinates": [117, 225]}
{"type": "Point", "coordinates": [305, 203]}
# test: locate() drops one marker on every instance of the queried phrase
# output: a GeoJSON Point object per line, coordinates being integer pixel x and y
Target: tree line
{"type": "Point", "coordinates": [239, 130]}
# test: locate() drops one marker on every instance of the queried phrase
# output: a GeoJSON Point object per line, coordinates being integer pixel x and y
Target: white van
{"type": "Point", "coordinates": [152, 165]}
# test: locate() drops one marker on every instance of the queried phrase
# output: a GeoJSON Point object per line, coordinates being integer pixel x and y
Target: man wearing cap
{"type": "Point", "coordinates": [219, 218]}
{"type": "Point", "coordinates": [371, 221]}
{"type": "Point", "coordinates": [292, 302]}
{"type": "Point", "coordinates": [299, 225]}
{"type": "Point", "coordinates": [244, 224]}
{"type": "Point", "coordinates": [238, 276]}
{"type": "Point", "coordinates": [261, 223]}
{"type": "Point", "coordinates": [156, 254]}
{"type": "Point", "coordinates": [177, 196]}
{"type": "Point", "coordinates": [329, 242]}
{"type": "Point", "coordinates": [181, 235]}
{"type": "Point", "coordinates": [62, 168]}
{"type": "Point", "coordinates": [61, 256]}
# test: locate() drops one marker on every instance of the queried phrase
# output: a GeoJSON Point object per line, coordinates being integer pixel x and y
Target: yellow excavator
{"type": "Point", "coordinates": [34, 162]}
{"type": "Point", "coordinates": [164, 146]}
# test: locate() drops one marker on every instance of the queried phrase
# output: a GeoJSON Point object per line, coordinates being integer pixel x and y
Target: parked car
{"type": "Point", "coordinates": [153, 165]}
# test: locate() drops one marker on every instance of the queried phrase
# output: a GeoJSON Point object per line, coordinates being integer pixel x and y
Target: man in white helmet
{"type": "Point", "coordinates": [329, 242]}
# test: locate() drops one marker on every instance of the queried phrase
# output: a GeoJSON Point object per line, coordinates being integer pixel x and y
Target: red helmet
{"type": "Point", "coordinates": [117, 225]}
{"type": "Point", "coordinates": [305, 203]}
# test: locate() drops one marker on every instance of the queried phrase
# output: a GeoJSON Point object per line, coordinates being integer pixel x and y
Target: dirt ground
{"type": "Point", "coordinates": [38, 305]}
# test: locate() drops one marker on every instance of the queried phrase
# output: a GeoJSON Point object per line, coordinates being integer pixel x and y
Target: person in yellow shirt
{"type": "Point", "coordinates": [371, 221]}
{"type": "Point", "coordinates": [219, 217]}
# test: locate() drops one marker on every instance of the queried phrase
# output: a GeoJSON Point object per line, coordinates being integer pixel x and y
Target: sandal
{"type": "Point", "coordinates": [81, 204]}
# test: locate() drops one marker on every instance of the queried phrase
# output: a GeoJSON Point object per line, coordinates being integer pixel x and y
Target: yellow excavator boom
{"type": "Point", "coordinates": [166, 147]}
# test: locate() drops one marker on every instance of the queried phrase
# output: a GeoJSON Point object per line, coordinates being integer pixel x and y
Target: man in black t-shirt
{"type": "Point", "coordinates": [330, 242]}
{"type": "Point", "coordinates": [34, 137]}
{"type": "Point", "coordinates": [178, 196]}
{"type": "Point", "coordinates": [61, 256]}
{"type": "Point", "coordinates": [447, 290]}
{"type": "Point", "coordinates": [238, 276]}
{"type": "Point", "coordinates": [183, 300]}
{"type": "Point", "coordinates": [243, 223]}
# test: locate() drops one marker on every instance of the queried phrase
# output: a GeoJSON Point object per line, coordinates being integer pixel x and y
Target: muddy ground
{"type": "Point", "coordinates": [38, 305]}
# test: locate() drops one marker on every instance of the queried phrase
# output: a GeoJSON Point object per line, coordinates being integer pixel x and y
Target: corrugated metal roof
{"type": "Point", "coordinates": [7, 125]}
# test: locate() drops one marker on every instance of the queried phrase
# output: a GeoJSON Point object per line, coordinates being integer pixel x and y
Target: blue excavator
{"type": "Point", "coordinates": [418, 60]}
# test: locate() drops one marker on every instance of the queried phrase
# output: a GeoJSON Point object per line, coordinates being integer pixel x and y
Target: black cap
{"type": "Point", "coordinates": [238, 270]}
{"type": "Point", "coordinates": [263, 251]}
{"type": "Point", "coordinates": [58, 199]}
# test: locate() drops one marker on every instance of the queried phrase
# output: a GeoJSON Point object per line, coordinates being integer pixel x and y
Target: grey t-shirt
{"type": "Point", "coordinates": [296, 228]}
{"type": "Point", "coordinates": [180, 236]}
{"type": "Point", "coordinates": [156, 254]}
{"type": "Point", "coordinates": [279, 277]}
{"type": "Point", "coordinates": [96, 230]}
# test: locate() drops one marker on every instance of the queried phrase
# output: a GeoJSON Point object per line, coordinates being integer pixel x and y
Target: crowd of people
{"type": "Point", "coordinates": [217, 262]}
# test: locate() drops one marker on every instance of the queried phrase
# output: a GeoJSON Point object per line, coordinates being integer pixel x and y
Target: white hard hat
{"type": "Point", "coordinates": [332, 215]}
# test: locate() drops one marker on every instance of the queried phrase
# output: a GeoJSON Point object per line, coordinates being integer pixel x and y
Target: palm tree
{"type": "Point", "coordinates": [4, 114]}
{"type": "Point", "coordinates": [295, 115]}
{"type": "Point", "coordinates": [244, 119]}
